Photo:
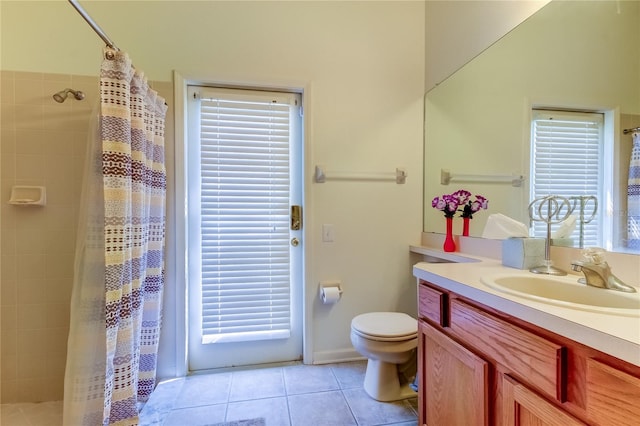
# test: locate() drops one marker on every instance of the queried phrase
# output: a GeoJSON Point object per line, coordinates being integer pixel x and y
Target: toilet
{"type": "Point", "coordinates": [388, 340]}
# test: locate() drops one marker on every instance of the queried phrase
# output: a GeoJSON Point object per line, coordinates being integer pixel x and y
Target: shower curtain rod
{"type": "Point", "coordinates": [93, 24]}
{"type": "Point", "coordinates": [627, 131]}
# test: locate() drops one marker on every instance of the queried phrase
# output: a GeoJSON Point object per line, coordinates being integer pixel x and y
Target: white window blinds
{"type": "Point", "coordinates": [567, 161]}
{"type": "Point", "coordinates": [244, 215]}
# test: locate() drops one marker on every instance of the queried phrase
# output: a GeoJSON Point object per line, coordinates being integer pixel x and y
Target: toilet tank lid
{"type": "Point", "coordinates": [385, 324]}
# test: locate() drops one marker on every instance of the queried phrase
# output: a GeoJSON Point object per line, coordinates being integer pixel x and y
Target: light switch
{"type": "Point", "coordinates": [328, 233]}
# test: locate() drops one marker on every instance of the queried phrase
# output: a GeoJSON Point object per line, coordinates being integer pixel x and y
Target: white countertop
{"type": "Point", "coordinates": [604, 330]}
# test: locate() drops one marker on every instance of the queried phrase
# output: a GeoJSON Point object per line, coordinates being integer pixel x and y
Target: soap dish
{"type": "Point", "coordinates": [28, 196]}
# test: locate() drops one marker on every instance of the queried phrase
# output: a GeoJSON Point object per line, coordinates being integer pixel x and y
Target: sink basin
{"type": "Point", "coordinates": [566, 291]}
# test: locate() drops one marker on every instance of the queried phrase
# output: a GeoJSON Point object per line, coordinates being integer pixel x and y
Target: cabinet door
{"type": "Point", "coordinates": [454, 382]}
{"type": "Point", "coordinates": [523, 407]}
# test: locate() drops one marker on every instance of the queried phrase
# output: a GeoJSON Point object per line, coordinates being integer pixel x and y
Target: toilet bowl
{"type": "Point", "coordinates": [388, 340]}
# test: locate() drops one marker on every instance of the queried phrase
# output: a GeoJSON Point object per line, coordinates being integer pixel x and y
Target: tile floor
{"type": "Point", "coordinates": [295, 395]}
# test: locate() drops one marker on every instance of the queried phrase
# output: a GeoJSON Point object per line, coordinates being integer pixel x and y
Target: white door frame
{"type": "Point", "coordinates": [176, 310]}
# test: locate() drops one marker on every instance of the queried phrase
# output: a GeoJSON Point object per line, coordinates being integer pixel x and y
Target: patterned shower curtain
{"type": "Point", "coordinates": [119, 271]}
{"type": "Point", "coordinates": [633, 200]}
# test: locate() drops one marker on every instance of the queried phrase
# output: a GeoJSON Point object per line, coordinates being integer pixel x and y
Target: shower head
{"type": "Point", "coordinates": [63, 94]}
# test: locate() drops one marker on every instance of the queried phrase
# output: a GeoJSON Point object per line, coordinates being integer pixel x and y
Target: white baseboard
{"type": "Point", "coordinates": [329, 357]}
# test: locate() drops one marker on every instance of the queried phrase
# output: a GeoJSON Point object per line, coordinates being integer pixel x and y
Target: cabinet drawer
{"type": "Point", "coordinates": [540, 362]}
{"type": "Point", "coordinates": [433, 305]}
{"type": "Point", "coordinates": [612, 395]}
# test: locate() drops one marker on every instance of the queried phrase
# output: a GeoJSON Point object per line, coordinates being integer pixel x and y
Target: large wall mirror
{"type": "Point", "coordinates": [571, 55]}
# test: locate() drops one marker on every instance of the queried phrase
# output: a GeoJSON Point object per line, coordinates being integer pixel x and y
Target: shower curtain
{"type": "Point", "coordinates": [119, 266]}
{"type": "Point", "coordinates": [633, 193]}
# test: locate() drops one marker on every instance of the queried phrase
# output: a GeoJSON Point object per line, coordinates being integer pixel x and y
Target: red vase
{"type": "Point", "coordinates": [449, 244]}
{"type": "Point", "coordinates": [465, 226]}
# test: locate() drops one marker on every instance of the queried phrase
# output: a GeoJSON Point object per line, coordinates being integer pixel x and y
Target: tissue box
{"type": "Point", "coordinates": [523, 253]}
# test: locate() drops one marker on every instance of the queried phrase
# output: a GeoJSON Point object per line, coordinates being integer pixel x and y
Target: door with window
{"type": "Point", "coordinates": [244, 196]}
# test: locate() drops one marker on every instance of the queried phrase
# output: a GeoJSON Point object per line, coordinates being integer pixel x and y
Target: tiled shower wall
{"type": "Point", "coordinates": [42, 143]}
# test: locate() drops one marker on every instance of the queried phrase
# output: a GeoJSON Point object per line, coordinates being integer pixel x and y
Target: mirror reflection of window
{"type": "Point", "coordinates": [567, 152]}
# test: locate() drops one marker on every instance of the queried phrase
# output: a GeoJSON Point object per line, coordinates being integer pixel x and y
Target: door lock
{"type": "Point", "coordinates": [296, 218]}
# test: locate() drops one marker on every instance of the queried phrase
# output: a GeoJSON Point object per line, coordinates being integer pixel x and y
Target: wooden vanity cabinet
{"type": "Point", "coordinates": [479, 366]}
{"type": "Point", "coordinates": [613, 395]}
{"type": "Point", "coordinates": [523, 407]}
{"type": "Point", "coordinates": [458, 379]}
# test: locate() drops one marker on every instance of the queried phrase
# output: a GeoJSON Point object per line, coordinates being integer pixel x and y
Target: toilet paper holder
{"type": "Point", "coordinates": [327, 284]}
{"type": "Point", "coordinates": [330, 292]}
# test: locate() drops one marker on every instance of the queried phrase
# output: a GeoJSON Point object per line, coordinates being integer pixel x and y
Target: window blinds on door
{"type": "Point", "coordinates": [566, 161]}
{"type": "Point", "coordinates": [244, 159]}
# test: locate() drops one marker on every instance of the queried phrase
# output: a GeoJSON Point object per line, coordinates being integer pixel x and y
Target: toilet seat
{"type": "Point", "coordinates": [385, 326]}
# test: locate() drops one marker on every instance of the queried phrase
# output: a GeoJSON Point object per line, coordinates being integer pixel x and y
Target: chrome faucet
{"type": "Point", "coordinates": [600, 275]}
